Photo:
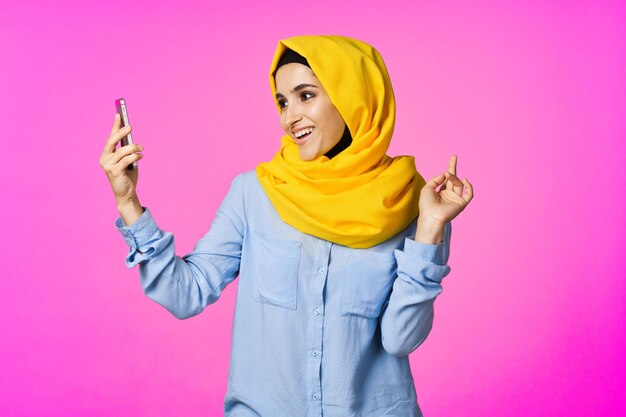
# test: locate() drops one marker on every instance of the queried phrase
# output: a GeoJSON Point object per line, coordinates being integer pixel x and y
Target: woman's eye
{"type": "Point", "coordinates": [304, 96]}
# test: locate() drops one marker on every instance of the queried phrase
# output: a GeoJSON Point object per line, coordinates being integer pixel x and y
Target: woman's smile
{"type": "Point", "coordinates": [302, 136]}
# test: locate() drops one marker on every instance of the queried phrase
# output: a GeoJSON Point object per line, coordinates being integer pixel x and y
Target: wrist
{"type": "Point", "coordinates": [130, 210]}
{"type": "Point", "coordinates": [128, 202]}
{"type": "Point", "coordinates": [429, 231]}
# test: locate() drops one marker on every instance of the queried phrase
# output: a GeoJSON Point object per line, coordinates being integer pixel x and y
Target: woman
{"type": "Point", "coordinates": [337, 272]}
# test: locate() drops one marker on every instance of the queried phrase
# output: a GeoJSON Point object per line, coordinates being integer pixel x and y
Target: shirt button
{"type": "Point", "coordinates": [322, 270]}
{"type": "Point", "coordinates": [316, 397]}
{"type": "Point", "coordinates": [314, 353]}
{"type": "Point", "coordinates": [316, 311]}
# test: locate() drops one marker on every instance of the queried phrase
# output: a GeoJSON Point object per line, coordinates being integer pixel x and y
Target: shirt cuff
{"type": "Point", "coordinates": [436, 253]}
{"type": "Point", "coordinates": [139, 232]}
{"type": "Point", "coordinates": [137, 235]}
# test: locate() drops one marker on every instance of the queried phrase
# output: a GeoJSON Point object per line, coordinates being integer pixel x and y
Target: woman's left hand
{"type": "Point", "coordinates": [440, 207]}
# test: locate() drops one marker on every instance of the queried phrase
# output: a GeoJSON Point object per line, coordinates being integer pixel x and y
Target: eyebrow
{"type": "Point", "coordinates": [297, 88]}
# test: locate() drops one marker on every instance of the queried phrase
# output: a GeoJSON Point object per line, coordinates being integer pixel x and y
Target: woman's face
{"type": "Point", "coordinates": [307, 110]}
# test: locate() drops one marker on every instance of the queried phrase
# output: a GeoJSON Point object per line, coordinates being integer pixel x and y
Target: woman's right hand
{"type": "Point", "coordinates": [115, 163]}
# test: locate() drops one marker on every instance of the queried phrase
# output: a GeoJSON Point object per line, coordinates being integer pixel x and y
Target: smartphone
{"type": "Point", "coordinates": [120, 106]}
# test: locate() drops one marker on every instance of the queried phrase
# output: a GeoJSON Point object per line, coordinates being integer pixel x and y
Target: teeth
{"type": "Point", "coordinates": [303, 132]}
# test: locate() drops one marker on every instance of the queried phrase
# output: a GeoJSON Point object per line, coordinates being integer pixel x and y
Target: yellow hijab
{"type": "Point", "coordinates": [361, 197]}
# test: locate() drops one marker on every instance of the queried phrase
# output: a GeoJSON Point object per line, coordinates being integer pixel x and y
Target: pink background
{"type": "Point", "coordinates": [530, 95]}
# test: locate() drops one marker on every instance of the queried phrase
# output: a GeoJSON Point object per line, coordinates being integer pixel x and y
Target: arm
{"type": "Point", "coordinates": [407, 318]}
{"type": "Point", "coordinates": [184, 286]}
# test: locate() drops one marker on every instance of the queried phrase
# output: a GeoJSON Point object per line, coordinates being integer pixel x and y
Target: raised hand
{"type": "Point", "coordinates": [114, 162]}
{"type": "Point", "coordinates": [440, 207]}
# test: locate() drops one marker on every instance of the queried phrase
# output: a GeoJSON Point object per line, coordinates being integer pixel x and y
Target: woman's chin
{"type": "Point", "coordinates": [307, 156]}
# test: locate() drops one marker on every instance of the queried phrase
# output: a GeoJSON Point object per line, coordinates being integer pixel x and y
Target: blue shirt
{"type": "Point", "coordinates": [319, 329]}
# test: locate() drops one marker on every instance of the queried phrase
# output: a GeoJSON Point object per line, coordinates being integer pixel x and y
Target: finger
{"type": "Point", "coordinates": [434, 182]}
{"type": "Point", "coordinates": [122, 152]}
{"type": "Point", "coordinates": [123, 164]}
{"type": "Point", "coordinates": [455, 199]}
{"type": "Point", "coordinates": [455, 183]}
{"type": "Point", "coordinates": [117, 121]}
{"type": "Point", "coordinates": [452, 165]}
{"type": "Point", "coordinates": [116, 137]}
{"type": "Point", "coordinates": [469, 191]}
{"type": "Point", "coordinates": [451, 170]}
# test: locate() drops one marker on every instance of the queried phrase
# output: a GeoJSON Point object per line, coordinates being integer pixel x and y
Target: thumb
{"type": "Point", "coordinates": [434, 182]}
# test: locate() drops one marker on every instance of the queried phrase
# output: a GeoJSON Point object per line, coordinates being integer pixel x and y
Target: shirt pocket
{"type": "Point", "coordinates": [367, 283]}
{"type": "Point", "coordinates": [276, 262]}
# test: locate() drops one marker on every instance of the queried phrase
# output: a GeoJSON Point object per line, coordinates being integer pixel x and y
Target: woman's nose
{"type": "Point", "coordinates": [292, 115]}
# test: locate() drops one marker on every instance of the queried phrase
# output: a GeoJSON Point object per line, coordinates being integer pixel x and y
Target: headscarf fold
{"type": "Point", "coordinates": [361, 197]}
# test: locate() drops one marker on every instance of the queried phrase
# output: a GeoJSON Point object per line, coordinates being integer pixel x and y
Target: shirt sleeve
{"type": "Point", "coordinates": [185, 285]}
{"type": "Point", "coordinates": [408, 315]}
